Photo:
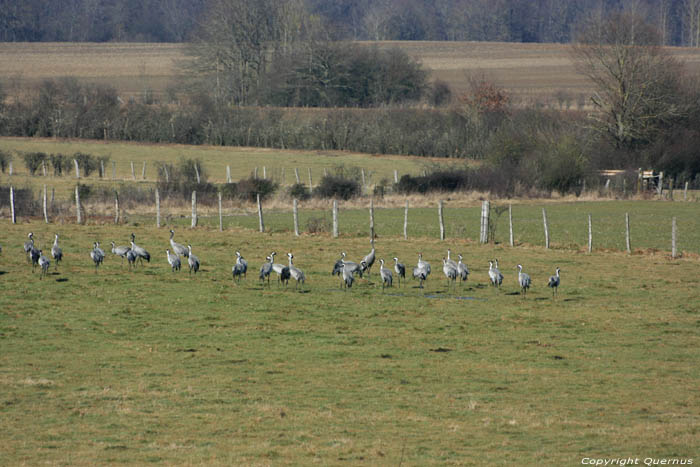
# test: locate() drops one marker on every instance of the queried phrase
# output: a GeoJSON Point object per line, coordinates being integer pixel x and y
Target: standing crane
{"type": "Point", "coordinates": [523, 280]}
{"type": "Point", "coordinates": [131, 258]}
{"type": "Point", "coordinates": [281, 270]}
{"type": "Point", "coordinates": [295, 273]}
{"type": "Point", "coordinates": [265, 270]}
{"type": "Point", "coordinates": [192, 260]}
{"type": "Point", "coordinates": [351, 266]}
{"type": "Point", "coordinates": [450, 272]}
{"type": "Point", "coordinates": [554, 282]}
{"type": "Point", "coordinates": [173, 260]}
{"type": "Point", "coordinates": [422, 270]}
{"type": "Point", "coordinates": [495, 275]}
{"type": "Point", "coordinates": [139, 252]}
{"type": "Point", "coordinates": [120, 251]}
{"type": "Point", "coordinates": [97, 255]}
{"type": "Point", "coordinates": [240, 268]}
{"type": "Point", "coordinates": [385, 273]}
{"type": "Point", "coordinates": [368, 260]}
{"type": "Point", "coordinates": [243, 263]}
{"type": "Point", "coordinates": [462, 270]}
{"type": "Point", "coordinates": [400, 269]}
{"type": "Point", "coordinates": [347, 276]}
{"type": "Point", "coordinates": [34, 254]}
{"type": "Point", "coordinates": [178, 249]}
{"type": "Point", "coordinates": [44, 263]}
{"type": "Point", "coordinates": [56, 251]}
{"type": "Point", "coordinates": [451, 262]}
{"type": "Point", "coordinates": [28, 245]}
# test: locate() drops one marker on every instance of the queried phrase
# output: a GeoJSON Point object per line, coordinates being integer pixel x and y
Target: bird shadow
{"type": "Point", "coordinates": [512, 293]}
{"type": "Point", "coordinates": [62, 279]}
{"type": "Point", "coordinates": [3, 272]}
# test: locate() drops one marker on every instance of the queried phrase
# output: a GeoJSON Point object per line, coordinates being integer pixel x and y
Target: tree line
{"type": "Point", "coordinates": [478, 20]}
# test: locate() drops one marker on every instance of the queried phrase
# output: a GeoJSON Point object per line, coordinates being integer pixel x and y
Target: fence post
{"type": "Point", "coordinates": [12, 205]}
{"type": "Point", "coordinates": [363, 179]}
{"type": "Point", "coordinates": [670, 188]}
{"type": "Point", "coordinates": [546, 228]}
{"type": "Point", "coordinates": [143, 171]}
{"type": "Point", "coordinates": [627, 235]}
{"type": "Point", "coordinates": [510, 223]}
{"type": "Point", "coordinates": [484, 227]}
{"type": "Point", "coordinates": [255, 173]}
{"type": "Point", "coordinates": [194, 209]}
{"type": "Point", "coordinates": [371, 218]}
{"type": "Point", "coordinates": [43, 168]}
{"type": "Point", "coordinates": [660, 187]}
{"type": "Point", "coordinates": [77, 204]}
{"type": "Point", "coordinates": [296, 174]}
{"type": "Point", "coordinates": [296, 217]}
{"type": "Point", "coordinates": [396, 176]}
{"type": "Point", "coordinates": [590, 234]}
{"type": "Point", "coordinates": [116, 207]}
{"type": "Point", "coordinates": [11, 169]}
{"type": "Point", "coordinates": [639, 180]}
{"type": "Point", "coordinates": [335, 218]}
{"type": "Point", "coordinates": [133, 173]}
{"type": "Point", "coordinates": [157, 208]}
{"type": "Point", "coordinates": [260, 215]}
{"type": "Point", "coordinates": [264, 173]}
{"type": "Point", "coordinates": [283, 177]}
{"type": "Point", "coordinates": [102, 169]}
{"type": "Point", "coordinates": [405, 222]}
{"type": "Point", "coordinates": [442, 221]}
{"type": "Point", "coordinates": [685, 192]}
{"type": "Point", "coordinates": [674, 232]}
{"type": "Point", "coordinates": [77, 169]}
{"type": "Point", "coordinates": [311, 185]}
{"type": "Point", "coordinates": [221, 215]}
{"type": "Point", "coordinates": [228, 174]}
{"type": "Point", "coordinates": [46, 211]}
{"type": "Point", "coordinates": [196, 171]}
{"type": "Point", "coordinates": [114, 170]}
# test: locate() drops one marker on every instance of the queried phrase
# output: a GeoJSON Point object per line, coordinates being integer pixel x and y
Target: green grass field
{"type": "Point", "coordinates": [150, 366]}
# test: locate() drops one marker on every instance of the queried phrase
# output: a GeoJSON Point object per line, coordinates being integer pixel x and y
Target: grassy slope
{"type": "Point", "coordinates": [151, 366]}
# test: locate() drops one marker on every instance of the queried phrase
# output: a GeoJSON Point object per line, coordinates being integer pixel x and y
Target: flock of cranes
{"type": "Point", "coordinates": [347, 270]}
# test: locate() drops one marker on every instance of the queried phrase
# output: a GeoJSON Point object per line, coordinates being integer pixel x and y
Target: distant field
{"type": "Point", "coordinates": [529, 71]}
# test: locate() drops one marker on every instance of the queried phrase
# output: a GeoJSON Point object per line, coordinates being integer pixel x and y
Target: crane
{"type": "Point", "coordinates": [139, 253]}
{"type": "Point", "coordinates": [44, 263]}
{"type": "Point", "coordinates": [243, 263]}
{"type": "Point", "coordinates": [294, 272]}
{"type": "Point", "coordinates": [400, 269]}
{"type": "Point", "coordinates": [265, 270]}
{"type": "Point", "coordinates": [368, 260]}
{"type": "Point", "coordinates": [450, 272]}
{"type": "Point", "coordinates": [523, 280]}
{"type": "Point", "coordinates": [28, 245]}
{"type": "Point", "coordinates": [56, 251]}
{"type": "Point", "coordinates": [192, 260]}
{"type": "Point", "coordinates": [178, 249]}
{"type": "Point", "coordinates": [385, 273]}
{"type": "Point", "coordinates": [120, 251]}
{"type": "Point", "coordinates": [422, 270]}
{"type": "Point", "coordinates": [347, 276]}
{"type": "Point", "coordinates": [554, 282]}
{"type": "Point", "coordinates": [97, 255]}
{"type": "Point", "coordinates": [462, 269]}
{"type": "Point", "coordinates": [173, 260]}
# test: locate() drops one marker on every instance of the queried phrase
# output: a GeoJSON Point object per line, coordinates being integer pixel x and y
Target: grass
{"type": "Point", "coordinates": [150, 366]}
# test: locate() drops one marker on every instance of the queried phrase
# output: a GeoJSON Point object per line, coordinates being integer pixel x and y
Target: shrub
{"type": "Point", "coordinates": [60, 163]}
{"type": "Point", "coordinates": [5, 158]}
{"type": "Point", "coordinates": [102, 162]}
{"type": "Point", "coordinates": [299, 191]}
{"type": "Point", "coordinates": [249, 188]}
{"type": "Point", "coordinates": [318, 225]}
{"type": "Point", "coordinates": [24, 200]}
{"type": "Point", "coordinates": [337, 186]}
{"type": "Point", "coordinates": [87, 163]}
{"type": "Point", "coordinates": [33, 160]}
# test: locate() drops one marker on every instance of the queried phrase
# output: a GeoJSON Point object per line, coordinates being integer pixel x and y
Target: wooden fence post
{"type": "Point", "coordinates": [157, 208]}
{"type": "Point", "coordinates": [12, 205]}
{"type": "Point", "coordinates": [77, 205]}
{"type": "Point", "coordinates": [46, 210]}
{"type": "Point", "coordinates": [264, 173]}
{"type": "Point", "coordinates": [116, 207]}
{"type": "Point", "coordinates": [674, 232]}
{"type": "Point", "coordinates": [363, 179]}
{"type": "Point", "coordinates": [133, 173]}
{"type": "Point", "coordinates": [260, 215]}
{"type": "Point", "coordinates": [660, 186]}
{"type": "Point", "coordinates": [43, 168]}
{"type": "Point", "coordinates": [484, 225]}
{"type": "Point", "coordinates": [296, 174]}
{"type": "Point", "coordinates": [114, 170]}
{"type": "Point", "coordinates": [194, 210]}
{"type": "Point", "coordinates": [371, 218]}
{"type": "Point", "coordinates": [442, 221]}
{"type": "Point", "coordinates": [685, 192]}
{"type": "Point", "coordinates": [311, 185]}
{"type": "Point", "coordinates": [283, 177]}
{"type": "Point", "coordinates": [221, 215]}
{"type": "Point", "coordinates": [228, 174]}
{"type": "Point", "coordinates": [11, 169]}
{"type": "Point", "coordinates": [405, 222]}
{"type": "Point", "coordinates": [590, 234]}
{"type": "Point", "coordinates": [196, 172]}
{"type": "Point", "coordinates": [102, 169]}
{"type": "Point", "coordinates": [510, 224]}
{"type": "Point", "coordinates": [396, 176]}
{"type": "Point", "coordinates": [546, 228]}
{"type": "Point", "coordinates": [671, 181]}
{"type": "Point", "coordinates": [77, 169]}
{"type": "Point", "coordinates": [296, 217]}
{"type": "Point", "coordinates": [335, 218]}
{"type": "Point", "coordinates": [143, 171]}
{"type": "Point", "coordinates": [627, 230]}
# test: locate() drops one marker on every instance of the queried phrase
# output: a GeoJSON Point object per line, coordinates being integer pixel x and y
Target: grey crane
{"type": "Point", "coordinates": [422, 270]}
{"type": "Point", "coordinates": [243, 263]}
{"type": "Point", "coordinates": [280, 269]}
{"type": "Point", "coordinates": [120, 251]}
{"type": "Point", "coordinates": [369, 258]}
{"type": "Point", "coordinates": [385, 273]}
{"type": "Point", "coordinates": [295, 273]}
{"type": "Point", "coordinates": [462, 269]}
{"type": "Point", "coordinates": [192, 260]}
{"type": "Point", "coordinates": [265, 270]}
{"type": "Point", "coordinates": [523, 280]}
{"type": "Point", "coordinates": [347, 276]}
{"type": "Point", "coordinates": [351, 266]}
{"type": "Point", "coordinates": [554, 282]}
{"type": "Point", "coordinates": [44, 263]}
{"type": "Point", "coordinates": [495, 275]}
{"type": "Point", "coordinates": [97, 255]}
{"type": "Point", "coordinates": [28, 245]}
{"type": "Point", "coordinates": [139, 252]}
{"type": "Point", "coordinates": [56, 251]}
{"type": "Point", "coordinates": [34, 254]}
{"type": "Point", "coordinates": [173, 260]}
{"type": "Point", "coordinates": [451, 262]}
{"type": "Point", "coordinates": [338, 266]}
{"type": "Point", "coordinates": [178, 249]}
{"type": "Point", "coordinates": [450, 272]}
{"type": "Point", "coordinates": [131, 258]}
{"type": "Point", "coordinates": [498, 272]}
{"type": "Point", "coordinates": [400, 269]}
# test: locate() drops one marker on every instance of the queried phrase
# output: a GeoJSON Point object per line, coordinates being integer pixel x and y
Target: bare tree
{"type": "Point", "coordinates": [638, 83]}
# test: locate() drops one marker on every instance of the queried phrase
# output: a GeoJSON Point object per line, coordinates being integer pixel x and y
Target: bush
{"type": "Point", "coordinates": [60, 163]}
{"type": "Point", "coordinates": [5, 158]}
{"type": "Point", "coordinates": [87, 163]}
{"type": "Point", "coordinates": [24, 200]}
{"type": "Point", "coordinates": [249, 188]}
{"type": "Point", "coordinates": [33, 160]}
{"type": "Point", "coordinates": [318, 225]}
{"type": "Point", "coordinates": [337, 186]}
{"type": "Point", "coordinates": [299, 191]}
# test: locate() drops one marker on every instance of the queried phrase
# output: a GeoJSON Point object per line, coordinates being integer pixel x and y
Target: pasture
{"type": "Point", "coordinates": [530, 72]}
{"type": "Point", "coordinates": [148, 365]}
